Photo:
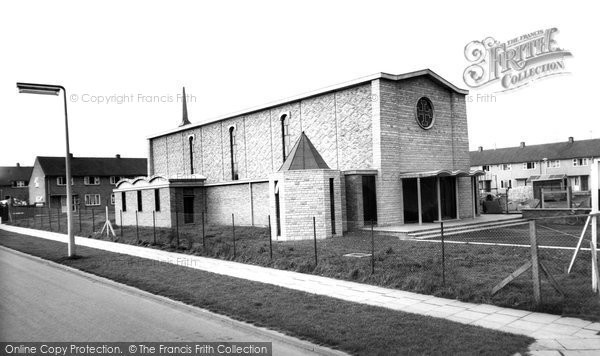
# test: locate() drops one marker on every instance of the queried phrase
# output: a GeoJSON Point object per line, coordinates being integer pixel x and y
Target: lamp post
{"type": "Point", "coordinates": [44, 89]}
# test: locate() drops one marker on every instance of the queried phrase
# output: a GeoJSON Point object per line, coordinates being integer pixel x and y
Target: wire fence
{"type": "Point", "coordinates": [466, 261]}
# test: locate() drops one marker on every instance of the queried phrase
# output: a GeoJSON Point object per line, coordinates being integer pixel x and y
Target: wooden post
{"type": "Point", "coordinates": [594, 177]}
{"type": "Point", "coordinates": [542, 197]}
{"type": "Point", "coordinates": [569, 193]}
{"type": "Point", "coordinates": [535, 265]}
{"type": "Point", "coordinates": [270, 240]}
{"type": "Point", "coordinates": [203, 233]}
{"type": "Point", "coordinates": [233, 232]}
{"type": "Point", "coordinates": [154, 226]}
{"type": "Point", "coordinates": [443, 254]}
{"type": "Point", "coordinates": [315, 239]}
{"type": "Point", "coordinates": [372, 250]}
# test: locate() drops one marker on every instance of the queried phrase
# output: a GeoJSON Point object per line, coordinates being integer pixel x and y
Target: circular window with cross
{"type": "Point", "coordinates": [424, 113]}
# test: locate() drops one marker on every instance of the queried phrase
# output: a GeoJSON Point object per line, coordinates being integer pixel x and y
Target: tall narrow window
{"type": "Point", "coordinates": [332, 205]}
{"type": "Point", "coordinates": [233, 150]}
{"type": "Point", "coordinates": [123, 201]}
{"type": "Point", "coordinates": [285, 135]}
{"type": "Point", "coordinates": [191, 140]}
{"type": "Point", "coordinates": [139, 200]}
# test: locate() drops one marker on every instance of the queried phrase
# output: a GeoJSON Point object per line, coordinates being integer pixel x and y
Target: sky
{"type": "Point", "coordinates": [125, 63]}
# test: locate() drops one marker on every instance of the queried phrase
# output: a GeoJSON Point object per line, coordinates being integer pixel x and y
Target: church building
{"type": "Point", "coordinates": [384, 149]}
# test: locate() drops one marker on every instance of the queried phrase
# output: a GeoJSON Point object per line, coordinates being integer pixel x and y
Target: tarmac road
{"type": "Point", "coordinates": [40, 301]}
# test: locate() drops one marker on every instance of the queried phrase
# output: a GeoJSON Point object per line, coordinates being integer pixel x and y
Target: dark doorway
{"type": "Point", "coordinates": [411, 200]}
{"type": "Point", "coordinates": [448, 197]}
{"type": "Point", "coordinates": [332, 205]}
{"type": "Point", "coordinates": [277, 214]}
{"type": "Point", "coordinates": [429, 204]}
{"type": "Point", "coordinates": [369, 196]}
{"type": "Point", "coordinates": [188, 209]}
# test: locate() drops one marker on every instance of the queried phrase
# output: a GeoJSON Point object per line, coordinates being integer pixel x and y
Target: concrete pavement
{"type": "Point", "coordinates": [553, 333]}
{"type": "Point", "coordinates": [45, 301]}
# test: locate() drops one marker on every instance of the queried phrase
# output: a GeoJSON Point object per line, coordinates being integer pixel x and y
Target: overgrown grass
{"type": "Point", "coordinates": [469, 272]}
{"type": "Point", "coordinates": [354, 328]}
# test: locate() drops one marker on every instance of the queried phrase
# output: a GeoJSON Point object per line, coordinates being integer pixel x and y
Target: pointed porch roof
{"type": "Point", "coordinates": [303, 155]}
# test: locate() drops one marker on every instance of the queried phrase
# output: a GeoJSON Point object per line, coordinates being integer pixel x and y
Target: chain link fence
{"type": "Point", "coordinates": [464, 261]}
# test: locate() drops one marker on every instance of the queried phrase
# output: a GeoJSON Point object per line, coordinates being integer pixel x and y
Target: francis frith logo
{"type": "Point", "coordinates": [515, 63]}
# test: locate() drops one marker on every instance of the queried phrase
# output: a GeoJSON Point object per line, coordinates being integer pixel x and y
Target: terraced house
{"type": "Point", "coordinates": [93, 180]}
{"type": "Point", "coordinates": [14, 183]}
{"type": "Point", "coordinates": [524, 170]}
{"type": "Point", "coordinates": [388, 149]}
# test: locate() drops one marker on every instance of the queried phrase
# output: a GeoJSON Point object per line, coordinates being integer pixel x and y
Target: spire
{"type": "Point", "coordinates": [184, 119]}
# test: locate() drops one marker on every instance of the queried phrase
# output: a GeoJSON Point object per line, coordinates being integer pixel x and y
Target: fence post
{"type": "Point", "coordinates": [154, 227]}
{"type": "Point", "coordinates": [121, 221]}
{"type": "Point", "coordinates": [270, 240]}
{"type": "Point", "coordinates": [203, 233]}
{"type": "Point", "coordinates": [137, 230]}
{"type": "Point", "coordinates": [542, 197]}
{"type": "Point", "coordinates": [315, 239]}
{"type": "Point", "coordinates": [93, 221]}
{"type": "Point", "coordinates": [176, 221]}
{"type": "Point", "coordinates": [535, 266]}
{"type": "Point", "coordinates": [372, 249]}
{"type": "Point", "coordinates": [49, 217]}
{"type": "Point", "coordinates": [233, 231]}
{"type": "Point", "coordinates": [443, 254]}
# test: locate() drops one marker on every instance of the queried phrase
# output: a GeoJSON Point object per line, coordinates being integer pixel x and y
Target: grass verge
{"type": "Point", "coordinates": [469, 272]}
{"type": "Point", "coordinates": [351, 327]}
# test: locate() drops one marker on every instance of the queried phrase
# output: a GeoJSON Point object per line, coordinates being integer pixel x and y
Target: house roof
{"type": "Point", "coordinates": [534, 153]}
{"type": "Point", "coordinates": [11, 174]}
{"type": "Point", "coordinates": [396, 77]}
{"type": "Point", "coordinates": [303, 155]}
{"type": "Point", "coordinates": [94, 166]}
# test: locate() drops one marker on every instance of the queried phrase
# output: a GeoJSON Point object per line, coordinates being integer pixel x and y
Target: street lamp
{"type": "Point", "coordinates": [44, 89]}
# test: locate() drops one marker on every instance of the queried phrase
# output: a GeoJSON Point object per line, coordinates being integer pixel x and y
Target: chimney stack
{"type": "Point", "coordinates": [571, 139]}
{"type": "Point", "coordinates": [480, 148]}
{"type": "Point", "coordinates": [118, 155]}
{"type": "Point", "coordinates": [18, 164]}
{"type": "Point", "coordinates": [522, 144]}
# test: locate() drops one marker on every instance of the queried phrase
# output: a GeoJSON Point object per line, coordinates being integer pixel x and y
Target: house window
{"type": "Point", "coordinates": [424, 113]}
{"type": "Point", "coordinates": [233, 151]}
{"type": "Point", "coordinates": [156, 200]}
{"type": "Point", "coordinates": [87, 180]}
{"type": "Point", "coordinates": [285, 135]}
{"type": "Point", "coordinates": [113, 180]}
{"type": "Point", "coordinates": [61, 181]}
{"type": "Point", "coordinates": [553, 164]}
{"type": "Point", "coordinates": [112, 199]}
{"type": "Point", "coordinates": [506, 167]}
{"type": "Point", "coordinates": [529, 165]}
{"type": "Point", "coordinates": [486, 168]}
{"type": "Point", "coordinates": [123, 201]}
{"type": "Point", "coordinates": [139, 200]}
{"type": "Point", "coordinates": [92, 199]}
{"type": "Point", "coordinates": [577, 162]}
{"type": "Point", "coordinates": [19, 184]}
{"type": "Point", "coordinates": [191, 141]}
